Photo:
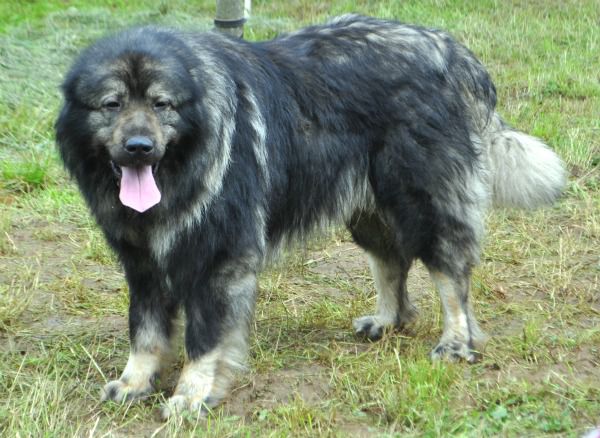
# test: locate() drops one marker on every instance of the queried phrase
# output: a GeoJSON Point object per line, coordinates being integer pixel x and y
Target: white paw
{"type": "Point", "coordinates": [179, 404]}
{"type": "Point", "coordinates": [370, 326]}
{"type": "Point", "coordinates": [121, 391]}
{"type": "Point", "coordinates": [454, 351]}
{"type": "Point", "coordinates": [374, 326]}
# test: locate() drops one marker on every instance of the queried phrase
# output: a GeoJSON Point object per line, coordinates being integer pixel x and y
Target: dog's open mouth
{"type": "Point", "coordinates": [138, 189]}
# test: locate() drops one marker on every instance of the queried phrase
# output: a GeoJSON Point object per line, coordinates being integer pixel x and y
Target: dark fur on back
{"type": "Point", "coordinates": [381, 126]}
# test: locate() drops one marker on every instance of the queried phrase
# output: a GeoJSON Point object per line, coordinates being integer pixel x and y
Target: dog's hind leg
{"type": "Point", "coordinates": [462, 338]}
{"type": "Point", "coordinates": [394, 308]}
{"type": "Point", "coordinates": [454, 250]}
{"type": "Point", "coordinates": [390, 268]}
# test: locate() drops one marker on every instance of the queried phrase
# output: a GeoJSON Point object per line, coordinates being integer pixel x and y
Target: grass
{"type": "Point", "coordinates": [63, 300]}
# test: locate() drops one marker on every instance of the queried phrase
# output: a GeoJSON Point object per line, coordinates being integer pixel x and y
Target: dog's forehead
{"type": "Point", "coordinates": [144, 81]}
{"type": "Point", "coordinates": [113, 85]}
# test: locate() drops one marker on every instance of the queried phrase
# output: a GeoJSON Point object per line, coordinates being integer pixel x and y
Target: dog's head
{"type": "Point", "coordinates": [123, 110]}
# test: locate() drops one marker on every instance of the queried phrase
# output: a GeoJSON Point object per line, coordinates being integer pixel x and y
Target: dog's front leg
{"type": "Point", "coordinates": [218, 312]}
{"type": "Point", "coordinates": [151, 313]}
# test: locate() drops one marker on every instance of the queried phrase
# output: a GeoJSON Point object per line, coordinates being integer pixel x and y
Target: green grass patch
{"type": "Point", "coordinates": [24, 176]}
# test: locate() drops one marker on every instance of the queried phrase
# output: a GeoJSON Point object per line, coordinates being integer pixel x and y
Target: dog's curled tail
{"type": "Point", "coordinates": [523, 171]}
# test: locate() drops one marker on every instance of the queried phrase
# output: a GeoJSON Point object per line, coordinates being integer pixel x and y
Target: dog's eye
{"type": "Point", "coordinates": [161, 104]}
{"type": "Point", "coordinates": [112, 105]}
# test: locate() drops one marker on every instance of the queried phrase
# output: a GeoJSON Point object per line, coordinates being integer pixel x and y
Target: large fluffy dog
{"type": "Point", "coordinates": [199, 155]}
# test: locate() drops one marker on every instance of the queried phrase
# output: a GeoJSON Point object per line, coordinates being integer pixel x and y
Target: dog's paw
{"type": "Point", "coordinates": [122, 391]}
{"type": "Point", "coordinates": [371, 327]}
{"type": "Point", "coordinates": [374, 326]}
{"type": "Point", "coordinates": [454, 351]}
{"type": "Point", "coordinates": [177, 405]}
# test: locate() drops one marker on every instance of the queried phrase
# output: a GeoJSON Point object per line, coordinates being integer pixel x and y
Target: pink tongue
{"type": "Point", "coordinates": [138, 188]}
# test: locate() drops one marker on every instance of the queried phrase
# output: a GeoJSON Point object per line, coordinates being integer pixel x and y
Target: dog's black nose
{"type": "Point", "coordinates": [139, 145]}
